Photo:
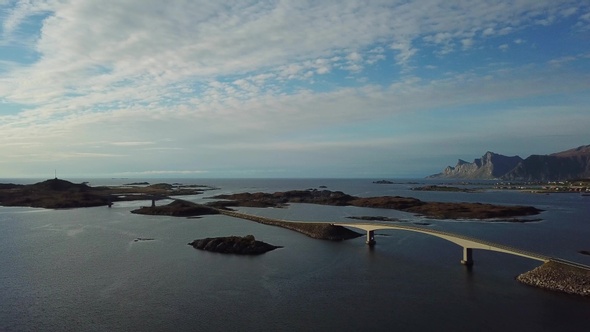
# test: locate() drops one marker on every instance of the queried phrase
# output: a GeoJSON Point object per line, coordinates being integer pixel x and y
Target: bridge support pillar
{"type": "Point", "coordinates": [371, 238]}
{"type": "Point", "coordinates": [467, 256]}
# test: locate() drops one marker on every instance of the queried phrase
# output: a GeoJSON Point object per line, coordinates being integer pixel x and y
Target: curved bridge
{"type": "Point", "coordinates": [468, 243]}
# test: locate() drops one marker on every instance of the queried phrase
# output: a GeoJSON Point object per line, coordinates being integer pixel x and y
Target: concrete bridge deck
{"type": "Point", "coordinates": [468, 243]}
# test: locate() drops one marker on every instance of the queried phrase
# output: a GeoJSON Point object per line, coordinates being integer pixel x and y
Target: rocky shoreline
{"type": "Point", "coordinates": [559, 277]}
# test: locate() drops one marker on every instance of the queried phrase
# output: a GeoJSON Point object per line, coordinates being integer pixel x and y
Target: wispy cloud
{"type": "Point", "coordinates": [162, 172]}
{"type": "Point", "coordinates": [131, 143]}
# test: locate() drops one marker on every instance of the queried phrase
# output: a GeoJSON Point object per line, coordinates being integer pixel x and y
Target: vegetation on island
{"type": "Point", "coordinates": [439, 210]}
{"type": "Point", "coordinates": [178, 208]}
{"type": "Point", "coordinates": [59, 194]}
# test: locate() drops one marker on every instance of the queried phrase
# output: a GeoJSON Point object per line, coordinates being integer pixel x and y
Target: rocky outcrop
{"type": "Point", "coordinates": [489, 166]}
{"type": "Point", "coordinates": [238, 245]}
{"type": "Point", "coordinates": [558, 277]}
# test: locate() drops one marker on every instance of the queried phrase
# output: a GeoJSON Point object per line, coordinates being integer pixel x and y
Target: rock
{"type": "Point", "coordinates": [246, 245]}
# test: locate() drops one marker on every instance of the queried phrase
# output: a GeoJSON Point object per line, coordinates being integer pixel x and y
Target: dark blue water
{"type": "Point", "coordinates": [80, 270]}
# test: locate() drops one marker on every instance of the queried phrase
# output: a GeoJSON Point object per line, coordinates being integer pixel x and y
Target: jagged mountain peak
{"type": "Point", "coordinates": [490, 166]}
{"type": "Point", "coordinates": [569, 164]}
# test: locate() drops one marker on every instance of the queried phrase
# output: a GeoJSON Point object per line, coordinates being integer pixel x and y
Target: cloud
{"type": "Point", "coordinates": [131, 143]}
{"type": "Point", "coordinates": [163, 172]}
{"type": "Point", "coordinates": [119, 81]}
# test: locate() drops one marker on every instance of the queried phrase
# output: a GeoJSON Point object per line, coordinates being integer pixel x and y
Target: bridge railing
{"type": "Point", "coordinates": [463, 237]}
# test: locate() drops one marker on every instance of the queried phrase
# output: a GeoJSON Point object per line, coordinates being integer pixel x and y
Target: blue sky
{"type": "Point", "coordinates": [332, 88]}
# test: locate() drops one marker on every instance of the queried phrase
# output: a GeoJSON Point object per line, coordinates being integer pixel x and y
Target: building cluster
{"type": "Point", "coordinates": [551, 186]}
{"type": "Point", "coordinates": [568, 186]}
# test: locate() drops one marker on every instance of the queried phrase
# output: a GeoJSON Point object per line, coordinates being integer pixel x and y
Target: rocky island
{"type": "Point", "coordinates": [59, 194]}
{"type": "Point", "coordinates": [181, 208]}
{"type": "Point", "coordinates": [246, 245]}
{"type": "Point", "coordinates": [440, 210]}
{"type": "Point", "coordinates": [178, 208]}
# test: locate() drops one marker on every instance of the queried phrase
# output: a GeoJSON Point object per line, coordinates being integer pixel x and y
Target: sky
{"type": "Point", "coordinates": [287, 89]}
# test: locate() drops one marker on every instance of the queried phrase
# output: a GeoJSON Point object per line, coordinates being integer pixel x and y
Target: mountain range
{"type": "Point", "coordinates": [561, 166]}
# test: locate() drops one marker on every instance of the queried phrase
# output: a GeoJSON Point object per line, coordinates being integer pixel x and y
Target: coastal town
{"type": "Point", "coordinates": [573, 186]}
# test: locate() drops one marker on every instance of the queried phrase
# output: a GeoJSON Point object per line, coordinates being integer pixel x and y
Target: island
{"type": "Point", "coordinates": [59, 194]}
{"type": "Point", "coordinates": [246, 245]}
{"type": "Point", "coordinates": [178, 208]}
{"type": "Point", "coordinates": [392, 182]}
{"type": "Point", "coordinates": [443, 188]}
{"type": "Point", "coordinates": [181, 208]}
{"type": "Point", "coordinates": [438, 210]}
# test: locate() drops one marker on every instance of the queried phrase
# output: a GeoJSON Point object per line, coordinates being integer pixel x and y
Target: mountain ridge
{"type": "Point", "coordinates": [559, 166]}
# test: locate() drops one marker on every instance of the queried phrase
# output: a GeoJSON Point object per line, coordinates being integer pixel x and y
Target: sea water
{"type": "Point", "coordinates": [82, 270]}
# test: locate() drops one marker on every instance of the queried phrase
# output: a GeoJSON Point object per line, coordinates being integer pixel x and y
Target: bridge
{"type": "Point", "coordinates": [468, 243]}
